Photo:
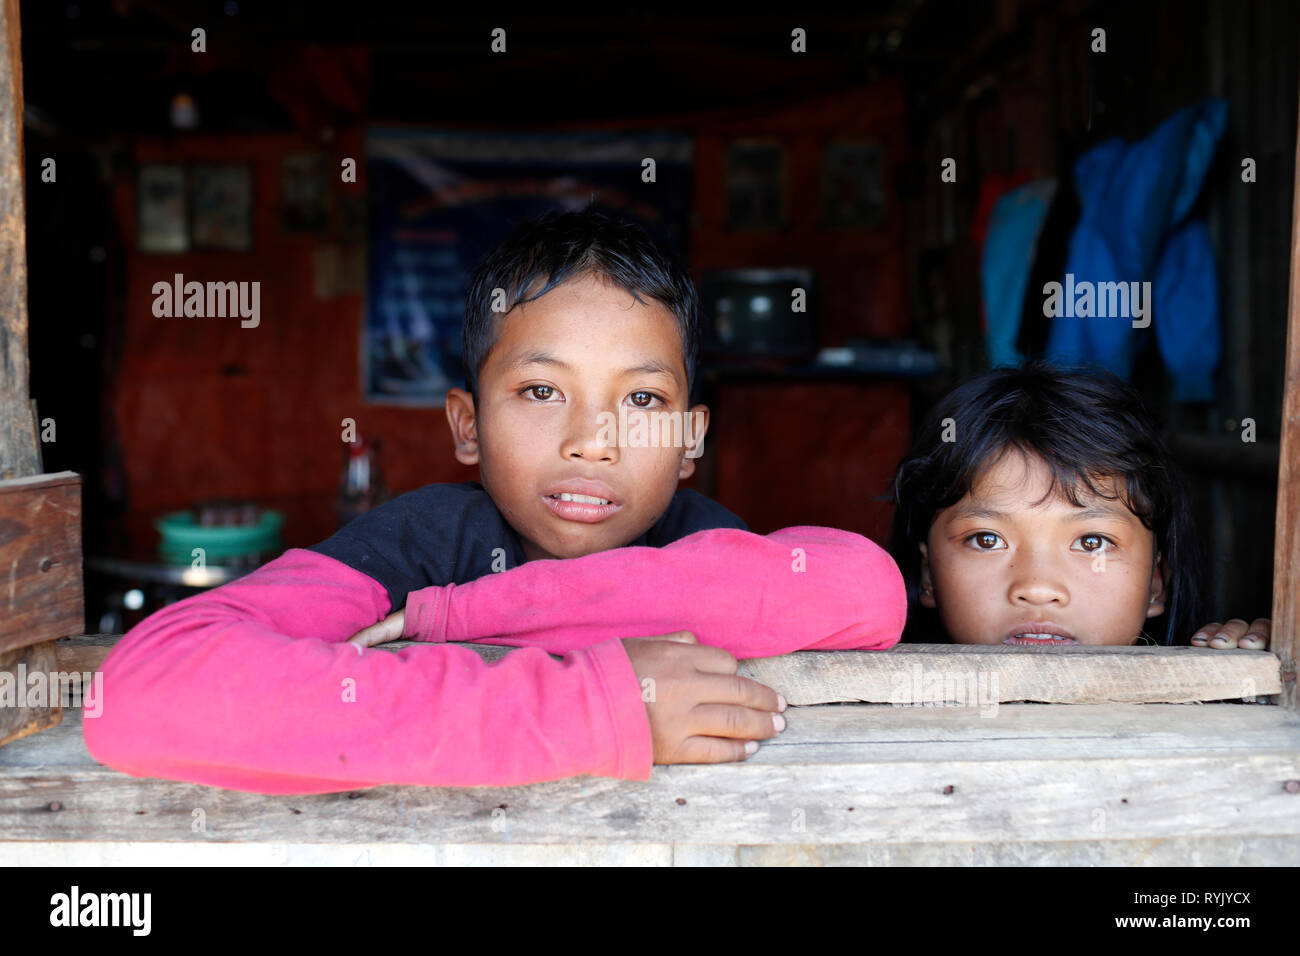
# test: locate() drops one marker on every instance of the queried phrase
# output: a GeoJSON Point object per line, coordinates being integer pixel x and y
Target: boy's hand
{"type": "Point", "coordinates": [1235, 633]}
{"type": "Point", "coordinates": [700, 710]}
{"type": "Point", "coordinates": [389, 629]}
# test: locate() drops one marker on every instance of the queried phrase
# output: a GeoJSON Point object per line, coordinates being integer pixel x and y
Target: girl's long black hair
{"type": "Point", "coordinates": [1086, 425]}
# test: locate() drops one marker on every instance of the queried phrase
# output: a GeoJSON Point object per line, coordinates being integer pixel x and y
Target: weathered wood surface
{"type": "Point", "coordinates": [1286, 539]}
{"type": "Point", "coordinates": [928, 673]}
{"type": "Point", "coordinates": [41, 594]}
{"type": "Point", "coordinates": [18, 444]}
{"type": "Point", "coordinates": [844, 783]}
{"type": "Point", "coordinates": [976, 674]}
{"type": "Point", "coordinates": [19, 717]}
{"type": "Point", "coordinates": [1165, 852]}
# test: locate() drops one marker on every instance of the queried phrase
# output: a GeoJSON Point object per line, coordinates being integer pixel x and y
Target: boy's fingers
{"type": "Point", "coordinates": [389, 629]}
{"type": "Point", "coordinates": [677, 637]}
{"type": "Point", "coordinates": [714, 750]}
{"type": "Point", "coordinates": [732, 689]}
{"type": "Point", "coordinates": [681, 637]}
{"type": "Point", "coordinates": [714, 660]}
{"type": "Point", "coordinates": [737, 723]}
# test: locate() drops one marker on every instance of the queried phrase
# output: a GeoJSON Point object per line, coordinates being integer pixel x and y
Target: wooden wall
{"type": "Point", "coordinates": [206, 408]}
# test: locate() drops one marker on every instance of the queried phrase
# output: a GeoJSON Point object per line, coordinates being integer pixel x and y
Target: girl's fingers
{"type": "Point", "coordinates": [1227, 636]}
{"type": "Point", "coordinates": [1202, 637]}
{"type": "Point", "coordinates": [1258, 636]}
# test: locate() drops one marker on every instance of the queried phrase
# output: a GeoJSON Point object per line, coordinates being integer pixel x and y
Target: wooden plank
{"type": "Point", "coordinates": [1286, 539]}
{"type": "Point", "coordinates": [41, 593]}
{"type": "Point", "coordinates": [21, 715]}
{"type": "Point", "coordinates": [918, 674]}
{"type": "Point", "coordinates": [1177, 851]}
{"type": "Point", "coordinates": [980, 675]}
{"type": "Point", "coordinates": [18, 445]}
{"type": "Point", "coordinates": [847, 775]}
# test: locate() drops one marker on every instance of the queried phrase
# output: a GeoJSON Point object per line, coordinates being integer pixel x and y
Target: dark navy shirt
{"type": "Point", "coordinates": [453, 533]}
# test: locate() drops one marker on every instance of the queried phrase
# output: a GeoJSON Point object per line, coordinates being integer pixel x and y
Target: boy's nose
{"type": "Point", "coordinates": [592, 437]}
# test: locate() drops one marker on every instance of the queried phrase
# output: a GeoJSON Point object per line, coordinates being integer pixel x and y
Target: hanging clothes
{"type": "Point", "coordinates": [1135, 199]}
{"type": "Point", "coordinates": [1009, 249]}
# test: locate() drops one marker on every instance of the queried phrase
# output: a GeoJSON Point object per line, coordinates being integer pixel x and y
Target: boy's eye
{"type": "Point", "coordinates": [643, 399]}
{"type": "Point", "coordinates": [1094, 542]}
{"type": "Point", "coordinates": [985, 540]}
{"type": "Point", "coordinates": [540, 392]}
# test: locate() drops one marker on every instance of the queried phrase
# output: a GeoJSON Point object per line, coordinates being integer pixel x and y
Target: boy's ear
{"type": "Point", "coordinates": [927, 579]}
{"type": "Point", "coordinates": [464, 430]}
{"type": "Point", "coordinates": [1159, 587]}
{"type": "Point", "coordinates": [693, 429]}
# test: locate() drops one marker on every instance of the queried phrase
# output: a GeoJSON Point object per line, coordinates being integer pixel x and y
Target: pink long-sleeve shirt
{"type": "Point", "coordinates": [253, 686]}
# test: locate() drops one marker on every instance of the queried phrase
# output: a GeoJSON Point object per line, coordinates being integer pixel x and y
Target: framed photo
{"type": "Point", "coordinates": [853, 184]}
{"type": "Point", "coordinates": [222, 208]}
{"type": "Point", "coordinates": [304, 193]}
{"type": "Point", "coordinates": [161, 222]}
{"type": "Point", "coordinates": [755, 185]}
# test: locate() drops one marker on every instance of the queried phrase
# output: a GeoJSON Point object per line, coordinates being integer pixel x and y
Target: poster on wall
{"type": "Point", "coordinates": [161, 222]}
{"type": "Point", "coordinates": [440, 200]}
{"type": "Point", "coordinates": [755, 185]}
{"type": "Point", "coordinates": [853, 191]}
{"type": "Point", "coordinates": [223, 207]}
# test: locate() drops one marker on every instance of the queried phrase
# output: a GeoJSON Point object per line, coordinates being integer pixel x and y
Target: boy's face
{"type": "Point", "coordinates": [547, 420]}
{"type": "Point", "coordinates": [1005, 562]}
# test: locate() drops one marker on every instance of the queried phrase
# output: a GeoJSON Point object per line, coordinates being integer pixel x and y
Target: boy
{"type": "Point", "coordinates": [222, 689]}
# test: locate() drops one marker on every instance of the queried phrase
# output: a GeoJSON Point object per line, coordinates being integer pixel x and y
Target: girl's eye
{"type": "Point", "coordinates": [540, 392]}
{"type": "Point", "coordinates": [1095, 542]}
{"type": "Point", "coordinates": [985, 540]}
{"type": "Point", "coordinates": [643, 399]}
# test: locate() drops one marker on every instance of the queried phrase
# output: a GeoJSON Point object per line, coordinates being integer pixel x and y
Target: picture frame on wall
{"type": "Point", "coordinates": [161, 220]}
{"type": "Point", "coordinates": [853, 184]}
{"type": "Point", "coordinates": [755, 186]}
{"type": "Point", "coordinates": [222, 207]}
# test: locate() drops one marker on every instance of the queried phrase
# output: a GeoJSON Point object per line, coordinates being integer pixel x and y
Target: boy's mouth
{"type": "Point", "coordinates": [582, 500]}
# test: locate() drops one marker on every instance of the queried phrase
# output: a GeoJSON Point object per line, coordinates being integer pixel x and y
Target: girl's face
{"type": "Point", "coordinates": [1010, 565]}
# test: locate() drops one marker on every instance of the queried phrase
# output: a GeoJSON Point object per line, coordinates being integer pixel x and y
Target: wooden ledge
{"type": "Point", "coordinates": [928, 674]}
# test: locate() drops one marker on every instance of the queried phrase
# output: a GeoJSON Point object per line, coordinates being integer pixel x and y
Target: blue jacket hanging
{"type": "Point", "coordinates": [1133, 254]}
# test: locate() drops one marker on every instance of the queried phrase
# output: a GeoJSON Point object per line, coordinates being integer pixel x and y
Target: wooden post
{"type": "Point", "coordinates": [1286, 546]}
{"type": "Point", "coordinates": [18, 457]}
{"type": "Point", "coordinates": [49, 603]}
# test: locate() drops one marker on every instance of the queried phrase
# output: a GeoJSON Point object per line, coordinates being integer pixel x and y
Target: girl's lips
{"type": "Point", "coordinates": [580, 510]}
{"type": "Point", "coordinates": [1039, 641]}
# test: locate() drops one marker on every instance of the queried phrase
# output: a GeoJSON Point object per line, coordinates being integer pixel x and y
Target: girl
{"type": "Point", "coordinates": [1040, 506]}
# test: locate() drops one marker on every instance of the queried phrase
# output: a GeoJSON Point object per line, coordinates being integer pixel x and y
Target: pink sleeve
{"type": "Point", "coordinates": [252, 686]}
{"type": "Point", "coordinates": [802, 588]}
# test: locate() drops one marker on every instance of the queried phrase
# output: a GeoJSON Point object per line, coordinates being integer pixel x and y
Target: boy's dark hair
{"type": "Point", "coordinates": [1085, 425]}
{"type": "Point", "coordinates": [556, 247]}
